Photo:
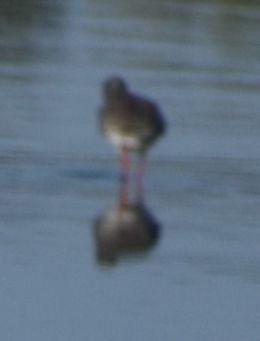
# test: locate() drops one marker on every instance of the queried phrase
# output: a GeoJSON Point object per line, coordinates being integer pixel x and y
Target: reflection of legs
{"type": "Point", "coordinates": [139, 177]}
{"type": "Point", "coordinates": [122, 199]}
{"type": "Point", "coordinates": [124, 180]}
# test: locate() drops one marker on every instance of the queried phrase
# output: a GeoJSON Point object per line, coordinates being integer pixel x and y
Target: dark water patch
{"type": "Point", "coordinates": [244, 268]}
{"type": "Point", "coordinates": [91, 174]}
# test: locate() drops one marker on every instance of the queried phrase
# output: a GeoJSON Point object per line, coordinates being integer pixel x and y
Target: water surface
{"type": "Point", "coordinates": [200, 278]}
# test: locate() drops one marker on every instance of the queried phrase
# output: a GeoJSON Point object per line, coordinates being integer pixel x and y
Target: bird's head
{"type": "Point", "coordinates": [115, 87]}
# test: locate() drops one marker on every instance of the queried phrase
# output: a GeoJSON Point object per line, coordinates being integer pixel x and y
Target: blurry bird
{"type": "Point", "coordinates": [131, 122]}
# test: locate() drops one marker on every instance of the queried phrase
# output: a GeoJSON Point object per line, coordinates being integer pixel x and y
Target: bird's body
{"type": "Point", "coordinates": [131, 122]}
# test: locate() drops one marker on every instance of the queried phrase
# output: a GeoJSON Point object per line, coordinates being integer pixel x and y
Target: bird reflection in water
{"type": "Point", "coordinates": [129, 228]}
{"type": "Point", "coordinates": [133, 123]}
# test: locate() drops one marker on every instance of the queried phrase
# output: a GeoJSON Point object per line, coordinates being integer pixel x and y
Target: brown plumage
{"type": "Point", "coordinates": [130, 121]}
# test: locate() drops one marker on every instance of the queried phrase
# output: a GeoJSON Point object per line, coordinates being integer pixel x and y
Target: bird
{"type": "Point", "coordinates": [133, 123]}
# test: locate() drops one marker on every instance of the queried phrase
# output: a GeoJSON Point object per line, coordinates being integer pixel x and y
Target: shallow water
{"type": "Point", "coordinates": [198, 276]}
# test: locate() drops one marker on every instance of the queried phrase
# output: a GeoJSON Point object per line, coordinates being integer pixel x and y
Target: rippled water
{"type": "Point", "coordinates": [187, 267]}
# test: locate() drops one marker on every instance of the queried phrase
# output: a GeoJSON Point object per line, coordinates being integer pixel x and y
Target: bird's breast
{"type": "Point", "coordinates": [121, 140]}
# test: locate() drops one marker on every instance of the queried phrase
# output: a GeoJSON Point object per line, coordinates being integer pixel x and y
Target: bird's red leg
{"type": "Point", "coordinates": [139, 177]}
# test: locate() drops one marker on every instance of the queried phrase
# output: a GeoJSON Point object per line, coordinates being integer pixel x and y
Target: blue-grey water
{"type": "Point", "coordinates": [200, 279]}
